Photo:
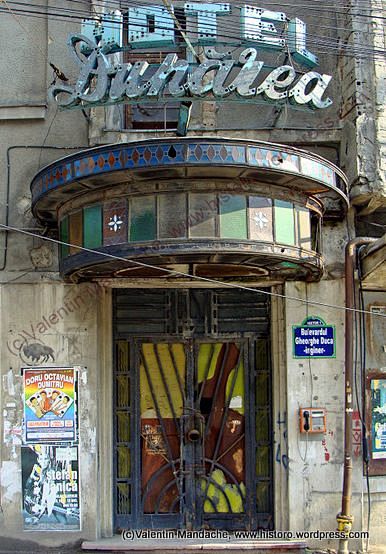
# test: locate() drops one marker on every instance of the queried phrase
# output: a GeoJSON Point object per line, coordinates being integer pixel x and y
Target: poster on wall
{"type": "Point", "coordinates": [378, 418]}
{"type": "Point", "coordinates": [50, 484]}
{"type": "Point", "coordinates": [49, 405]}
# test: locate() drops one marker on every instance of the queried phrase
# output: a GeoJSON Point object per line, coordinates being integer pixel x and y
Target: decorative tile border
{"type": "Point", "coordinates": [184, 152]}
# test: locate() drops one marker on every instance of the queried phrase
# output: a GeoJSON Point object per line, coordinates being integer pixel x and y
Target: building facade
{"type": "Point", "coordinates": [179, 187]}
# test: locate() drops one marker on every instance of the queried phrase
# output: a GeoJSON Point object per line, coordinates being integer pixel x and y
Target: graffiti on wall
{"type": "Point", "coordinates": [29, 343]}
{"type": "Point", "coordinates": [281, 453]}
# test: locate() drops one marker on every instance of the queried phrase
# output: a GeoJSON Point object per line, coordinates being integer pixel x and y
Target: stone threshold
{"type": "Point", "coordinates": [166, 546]}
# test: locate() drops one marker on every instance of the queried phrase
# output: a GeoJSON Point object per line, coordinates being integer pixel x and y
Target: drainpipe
{"type": "Point", "coordinates": [345, 519]}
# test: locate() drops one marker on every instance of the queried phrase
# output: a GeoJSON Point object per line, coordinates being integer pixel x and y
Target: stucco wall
{"type": "Point", "coordinates": [316, 462]}
{"type": "Point", "coordinates": [63, 318]}
{"type": "Point", "coordinates": [36, 307]}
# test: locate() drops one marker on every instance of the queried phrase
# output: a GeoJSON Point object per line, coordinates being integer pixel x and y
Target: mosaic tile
{"type": "Point", "coordinates": [161, 153]}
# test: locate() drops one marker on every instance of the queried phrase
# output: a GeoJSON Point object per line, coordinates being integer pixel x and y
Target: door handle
{"type": "Point", "coordinates": [194, 435]}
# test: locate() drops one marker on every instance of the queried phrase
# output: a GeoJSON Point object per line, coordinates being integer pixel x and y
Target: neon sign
{"type": "Point", "coordinates": [218, 76]}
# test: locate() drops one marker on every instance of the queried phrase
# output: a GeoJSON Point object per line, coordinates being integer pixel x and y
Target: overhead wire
{"type": "Point", "coordinates": [177, 273]}
{"type": "Point", "coordinates": [316, 40]}
{"type": "Point", "coordinates": [116, 4]}
{"type": "Point", "coordinates": [321, 46]}
{"type": "Point", "coordinates": [62, 10]}
{"type": "Point", "coordinates": [119, 4]}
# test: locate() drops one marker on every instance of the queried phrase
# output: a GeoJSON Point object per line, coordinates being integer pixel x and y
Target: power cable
{"type": "Point", "coordinates": [322, 47]}
{"type": "Point", "coordinates": [117, 4]}
{"type": "Point", "coordinates": [181, 273]}
{"type": "Point", "coordinates": [321, 41]}
{"type": "Point", "coordinates": [159, 17]}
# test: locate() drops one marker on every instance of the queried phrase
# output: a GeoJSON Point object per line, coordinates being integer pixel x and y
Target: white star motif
{"type": "Point", "coordinates": [260, 220]}
{"type": "Point", "coordinates": [115, 223]}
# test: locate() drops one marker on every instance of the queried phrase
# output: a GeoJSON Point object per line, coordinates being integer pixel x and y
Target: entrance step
{"type": "Point", "coordinates": [194, 546]}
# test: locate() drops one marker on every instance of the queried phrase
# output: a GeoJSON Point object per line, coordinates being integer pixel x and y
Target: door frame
{"type": "Point", "coordinates": [104, 401]}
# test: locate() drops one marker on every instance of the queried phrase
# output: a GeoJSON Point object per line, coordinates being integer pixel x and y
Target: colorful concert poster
{"type": "Point", "coordinates": [49, 405]}
{"type": "Point", "coordinates": [378, 418]}
{"type": "Point", "coordinates": [50, 481]}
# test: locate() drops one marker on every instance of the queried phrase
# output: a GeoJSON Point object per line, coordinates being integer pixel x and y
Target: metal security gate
{"type": "Point", "coordinates": [193, 444]}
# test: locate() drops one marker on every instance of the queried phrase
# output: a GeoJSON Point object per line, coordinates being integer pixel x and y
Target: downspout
{"type": "Point", "coordinates": [344, 518]}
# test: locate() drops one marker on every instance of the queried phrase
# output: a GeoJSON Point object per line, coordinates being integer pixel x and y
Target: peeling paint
{"type": "Point", "coordinates": [9, 475]}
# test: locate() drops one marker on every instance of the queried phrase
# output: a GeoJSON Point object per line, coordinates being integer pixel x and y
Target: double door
{"type": "Point", "coordinates": [186, 451]}
{"type": "Point", "coordinates": [192, 426]}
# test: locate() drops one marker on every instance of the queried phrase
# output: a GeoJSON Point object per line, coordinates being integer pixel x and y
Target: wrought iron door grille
{"type": "Point", "coordinates": [192, 417]}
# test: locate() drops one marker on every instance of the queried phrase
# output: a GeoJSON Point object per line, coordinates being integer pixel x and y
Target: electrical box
{"type": "Point", "coordinates": [312, 420]}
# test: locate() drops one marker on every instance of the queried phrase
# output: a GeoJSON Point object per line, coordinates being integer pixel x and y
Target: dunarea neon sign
{"type": "Point", "coordinates": [218, 75]}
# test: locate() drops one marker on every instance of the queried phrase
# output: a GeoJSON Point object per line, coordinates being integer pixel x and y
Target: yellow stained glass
{"type": "Point", "coordinates": [122, 356]}
{"type": "Point", "coordinates": [263, 496]}
{"type": "Point", "coordinates": [123, 469]}
{"type": "Point", "coordinates": [222, 497]}
{"type": "Point", "coordinates": [262, 461]}
{"type": "Point", "coordinates": [262, 428]}
{"type": "Point", "coordinates": [208, 353]}
{"type": "Point", "coordinates": [123, 391]}
{"type": "Point", "coordinates": [123, 498]}
{"type": "Point", "coordinates": [262, 389]}
{"type": "Point", "coordinates": [169, 360]}
{"type": "Point", "coordinates": [237, 399]}
{"type": "Point", "coordinates": [123, 428]}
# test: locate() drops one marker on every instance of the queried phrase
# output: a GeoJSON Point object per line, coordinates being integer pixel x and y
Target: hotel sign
{"type": "Point", "coordinates": [216, 75]}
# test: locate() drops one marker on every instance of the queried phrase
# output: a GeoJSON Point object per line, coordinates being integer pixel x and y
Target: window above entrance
{"type": "Point", "coordinates": [219, 207]}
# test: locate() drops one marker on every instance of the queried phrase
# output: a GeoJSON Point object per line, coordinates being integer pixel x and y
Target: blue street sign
{"type": "Point", "coordinates": [313, 339]}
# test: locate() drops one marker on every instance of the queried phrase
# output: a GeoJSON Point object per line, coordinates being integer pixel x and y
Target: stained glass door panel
{"type": "Point", "coordinates": [221, 402]}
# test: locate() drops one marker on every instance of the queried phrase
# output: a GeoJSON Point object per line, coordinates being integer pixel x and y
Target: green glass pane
{"type": "Point", "coordinates": [261, 355]}
{"type": "Point", "coordinates": [304, 227]}
{"type": "Point", "coordinates": [123, 427]}
{"type": "Point", "coordinates": [64, 236]}
{"type": "Point", "coordinates": [263, 497]}
{"type": "Point", "coordinates": [123, 498]}
{"type": "Point", "coordinates": [233, 217]}
{"type": "Point", "coordinates": [122, 356]}
{"type": "Point", "coordinates": [92, 227]}
{"type": "Point", "coordinates": [262, 461]}
{"type": "Point", "coordinates": [142, 219]}
{"type": "Point", "coordinates": [284, 222]}
{"type": "Point", "coordinates": [262, 426]}
{"type": "Point", "coordinates": [123, 464]}
{"type": "Point", "coordinates": [123, 391]}
{"type": "Point", "coordinates": [262, 389]}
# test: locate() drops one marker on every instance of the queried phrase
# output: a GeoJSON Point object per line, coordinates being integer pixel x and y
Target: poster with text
{"type": "Point", "coordinates": [50, 482]}
{"type": "Point", "coordinates": [49, 405]}
{"type": "Point", "coordinates": [378, 418]}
